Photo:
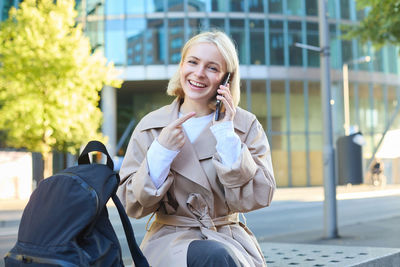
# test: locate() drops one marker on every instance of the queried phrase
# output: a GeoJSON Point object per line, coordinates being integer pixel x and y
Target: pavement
{"type": "Point", "coordinates": [368, 243]}
{"type": "Point", "coordinates": [373, 243]}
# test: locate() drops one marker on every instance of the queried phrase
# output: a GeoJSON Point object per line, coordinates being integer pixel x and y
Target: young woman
{"type": "Point", "coordinates": [195, 173]}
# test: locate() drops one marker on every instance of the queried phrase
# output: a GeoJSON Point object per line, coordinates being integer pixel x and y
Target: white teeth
{"type": "Point", "coordinates": [197, 84]}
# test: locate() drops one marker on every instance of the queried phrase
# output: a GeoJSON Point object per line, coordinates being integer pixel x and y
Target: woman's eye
{"type": "Point", "coordinates": [213, 68]}
{"type": "Point", "coordinates": [191, 62]}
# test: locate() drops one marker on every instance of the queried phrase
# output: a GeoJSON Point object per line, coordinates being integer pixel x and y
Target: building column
{"type": "Point", "coordinates": [109, 109]}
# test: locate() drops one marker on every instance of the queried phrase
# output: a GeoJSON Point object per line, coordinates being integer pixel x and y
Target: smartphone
{"type": "Point", "coordinates": [224, 82]}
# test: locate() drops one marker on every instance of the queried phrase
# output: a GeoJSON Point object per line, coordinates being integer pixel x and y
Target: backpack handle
{"type": "Point", "coordinates": [95, 146]}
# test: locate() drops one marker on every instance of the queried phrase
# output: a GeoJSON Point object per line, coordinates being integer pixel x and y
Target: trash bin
{"type": "Point", "coordinates": [349, 159]}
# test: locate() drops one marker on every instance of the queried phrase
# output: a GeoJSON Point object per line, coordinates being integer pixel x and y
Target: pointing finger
{"type": "Point", "coordinates": [182, 119]}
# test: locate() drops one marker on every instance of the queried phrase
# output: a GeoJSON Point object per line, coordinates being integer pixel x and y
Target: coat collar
{"type": "Point", "coordinates": [167, 114]}
{"type": "Point", "coordinates": [187, 162]}
{"type": "Point", "coordinates": [162, 116]}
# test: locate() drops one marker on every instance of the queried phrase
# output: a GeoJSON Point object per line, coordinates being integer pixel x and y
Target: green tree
{"type": "Point", "coordinates": [49, 79]}
{"type": "Point", "coordinates": [381, 25]}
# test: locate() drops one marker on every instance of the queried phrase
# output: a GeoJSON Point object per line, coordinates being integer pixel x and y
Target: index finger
{"type": "Point", "coordinates": [182, 119]}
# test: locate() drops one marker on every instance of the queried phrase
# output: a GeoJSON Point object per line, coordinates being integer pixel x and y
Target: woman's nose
{"type": "Point", "coordinates": [199, 71]}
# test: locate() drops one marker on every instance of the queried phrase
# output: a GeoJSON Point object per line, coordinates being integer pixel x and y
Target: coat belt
{"type": "Point", "coordinates": [206, 221]}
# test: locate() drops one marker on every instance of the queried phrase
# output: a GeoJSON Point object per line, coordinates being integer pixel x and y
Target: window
{"type": "Point", "coordinates": [364, 108]}
{"type": "Point", "coordinates": [312, 39]}
{"type": "Point", "coordinates": [196, 26]}
{"type": "Point", "coordinates": [218, 5]}
{"type": "Point", "coordinates": [115, 7]}
{"type": "Point", "coordinates": [360, 14]}
{"type": "Point", "coordinates": [275, 6]}
{"type": "Point", "coordinates": [95, 32]}
{"type": "Point", "coordinates": [237, 5]}
{"type": "Point", "coordinates": [177, 43]}
{"type": "Point", "coordinates": [312, 7]}
{"type": "Point", "coordinates": [276, 42]}
{"type": "Point", "coordinates": [198, 5]}
{"type": "Point", "coordinates": [392, 104]}
{"type": "Point", "coordinates": [135, 35]}
{"type": "Point", "coordinates": [218, 24]}
{"type": "Point", "coordinates": [278, 139]}
{"type": "Point", "coordinates": [298, 160]}
{"type": "Point", "coordinates": [295, 53]}
{"type": "Point", "coordinates": [347, 52]}
{"type": "Point", "coordinates": [115, 42]}
{"type": "Point", "coordinates": [297, 115]}
{"type": "Point", "coordinates": [278, 106]}
{"type": "Point", "coordinates": [332, 8]}
{"type": "Point", "coordinates": [155, 40]}
{"type": "Point", "coordinates": [174, 5]}
{"type": "Point", "coordinates": [363, 51]}
{"type": "Point", "coordinates": [377, 60]}
{"type": "Point", "coordinates": [238, 35]}
{"type": "Point", "coordinates": [316, 159]}
{"type": "Point", "coordinates": [314, 107]}
{"type": "Point", "coordinates": [154, 6]}
{"type": "Point", "coordinates": [379, 108]}
{"type": "Point", "coordinates": [335, 43]}
{"type": "Point", "coordinates": [175, 35]}
{"type": "Point", "coordinates": [345, 9]}
{"type": "Point", "coordinates": [258, 100]}
{"type": "Point", "coordinates": [256, 6]}
{"type": "Point", "coordinates": [294, 7]}
{"type": "Point", "coordinates": [257, 42]}
{"type": "Point", "coordinates": [392, 59]}
{"type": "Point", "coordinates": [135, 7]}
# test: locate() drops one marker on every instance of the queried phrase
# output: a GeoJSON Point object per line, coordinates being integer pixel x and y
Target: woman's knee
{"type": "Point", "coordinates": [210, 253]}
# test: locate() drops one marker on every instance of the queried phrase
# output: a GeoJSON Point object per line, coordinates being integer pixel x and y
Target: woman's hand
{"type": "Point", "coordinates": [224, 94]}
{"type": "Point", "coordinates": [172, 136]}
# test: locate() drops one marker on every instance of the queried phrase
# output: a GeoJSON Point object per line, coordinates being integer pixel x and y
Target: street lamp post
{"type": "Point", "coordinates": [330, 210]}
{"type": "Point", "coordinates": [345, 71]}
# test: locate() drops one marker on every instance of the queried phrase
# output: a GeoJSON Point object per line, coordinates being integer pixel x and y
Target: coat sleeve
{"type": "Point", "coordinates": [137, 192]}
{"type": "Point", "coordinates": [249, 183]}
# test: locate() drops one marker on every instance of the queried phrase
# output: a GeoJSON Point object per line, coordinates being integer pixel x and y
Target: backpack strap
{"type": "Point", "coordinates": [137, 255]}
{"type": "Point", "coordinates": [95, 146]}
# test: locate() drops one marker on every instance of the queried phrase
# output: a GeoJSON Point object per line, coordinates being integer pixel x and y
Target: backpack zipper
{"type": "Point", "coordinates": [33, 259]}
{"type": "Point", "coordinates": [84, 185]}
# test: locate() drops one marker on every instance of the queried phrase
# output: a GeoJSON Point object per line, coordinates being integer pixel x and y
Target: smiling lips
{"type": "Point", "coordinates": [197, 84]}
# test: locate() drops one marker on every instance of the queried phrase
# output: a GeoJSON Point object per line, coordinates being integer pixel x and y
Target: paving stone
{"type": "Point", "coordinates": [305, 255]}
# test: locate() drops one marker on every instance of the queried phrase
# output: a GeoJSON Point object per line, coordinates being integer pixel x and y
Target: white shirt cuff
{"type": "Point", "coordinates": [159, 161]}
{"type": "Point", "coordinates": [228, 142]}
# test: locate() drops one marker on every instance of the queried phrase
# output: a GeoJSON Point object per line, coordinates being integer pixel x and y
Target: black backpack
{"type": "Point", "coordinates": [65, 222]}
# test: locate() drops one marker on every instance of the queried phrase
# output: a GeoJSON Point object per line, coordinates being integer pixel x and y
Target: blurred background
{"type": "Point", "coordinates": [280, 81]}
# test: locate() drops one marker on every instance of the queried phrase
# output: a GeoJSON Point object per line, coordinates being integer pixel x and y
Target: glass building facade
{"type": "Point", "coordinates": [280, 81]}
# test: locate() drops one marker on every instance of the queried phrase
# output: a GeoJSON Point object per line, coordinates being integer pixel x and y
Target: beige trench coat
{"type": "Point", "coordinates": [201, 198]}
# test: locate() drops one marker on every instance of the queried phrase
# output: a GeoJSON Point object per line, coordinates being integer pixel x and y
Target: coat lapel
{"type": "Point", "coordinates": [187, 164]}
{"type": "Point", "coordinates": [205, 144]}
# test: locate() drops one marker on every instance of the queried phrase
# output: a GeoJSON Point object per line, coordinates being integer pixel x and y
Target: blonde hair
{"type": "Point", "coordinates": [227, 49]}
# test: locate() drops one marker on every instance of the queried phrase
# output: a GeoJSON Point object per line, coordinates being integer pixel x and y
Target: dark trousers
{"type": "Point", "coordinates": [210, 253]}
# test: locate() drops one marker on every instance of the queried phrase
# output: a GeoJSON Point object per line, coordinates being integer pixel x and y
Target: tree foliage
{"type": "Point", "coordinates": [49, 78]}
{"type": "Point", "coordinates": [381, 25]}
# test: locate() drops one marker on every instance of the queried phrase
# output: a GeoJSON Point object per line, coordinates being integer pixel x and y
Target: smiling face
{"type": "Point", "coordinates": [201, 72]}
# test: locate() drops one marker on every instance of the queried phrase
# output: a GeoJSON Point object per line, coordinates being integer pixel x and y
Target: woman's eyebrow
{"type": "Point", "coordinates": [208, 62]}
